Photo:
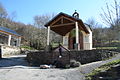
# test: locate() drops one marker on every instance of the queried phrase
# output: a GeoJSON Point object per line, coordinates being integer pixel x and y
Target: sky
{"type": "Point", "coordinates": [25, 10]}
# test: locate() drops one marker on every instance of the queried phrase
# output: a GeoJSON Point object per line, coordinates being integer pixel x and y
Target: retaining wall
{"type": "Point", "coordinates": [86, 56]}
{"type": "Point", "coordinates": [9, 50]}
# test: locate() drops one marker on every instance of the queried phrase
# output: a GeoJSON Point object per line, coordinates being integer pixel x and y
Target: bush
{"type": "Point", "coordinates": [73, 64]}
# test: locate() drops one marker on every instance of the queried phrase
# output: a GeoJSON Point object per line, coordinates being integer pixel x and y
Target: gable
{"type": "Point", "coordinates": [63, 23]}
{"type": "Point", "coordinates": [61, 20]}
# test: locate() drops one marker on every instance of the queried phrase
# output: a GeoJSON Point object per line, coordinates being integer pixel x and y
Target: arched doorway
{"type": "Point", "coordinates": [72, 40]}
{"type": "Point", "coordinates": [71, 43]}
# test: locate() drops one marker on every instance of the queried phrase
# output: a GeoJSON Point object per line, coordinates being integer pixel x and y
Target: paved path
{"type": "Point", "coordinates": [16, 68]}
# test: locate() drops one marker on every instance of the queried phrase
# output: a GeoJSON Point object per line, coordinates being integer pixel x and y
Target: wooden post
{"type": "Point", "coordinates": [48, 36]}
{"type": "Point", "coordinates": [77, 36]}
{"type": "Point", "coordinates": [9, 40]}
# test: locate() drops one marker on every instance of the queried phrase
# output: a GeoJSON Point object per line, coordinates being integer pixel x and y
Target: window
{"type": "Point", "coordinates": [87, 38]}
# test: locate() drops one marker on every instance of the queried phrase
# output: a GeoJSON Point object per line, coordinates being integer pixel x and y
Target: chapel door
{"type": "Point", "coordinates": [81, 40]}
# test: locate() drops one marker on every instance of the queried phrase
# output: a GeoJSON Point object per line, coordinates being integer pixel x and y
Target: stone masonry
{"type": "Point", "coordinates": [85, 56]}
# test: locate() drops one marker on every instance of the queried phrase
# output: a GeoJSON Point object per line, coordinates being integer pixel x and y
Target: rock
{"type": "Point", "coordinates": [74, 63]}
{"type": "Point", "coordinates": [45, 66]}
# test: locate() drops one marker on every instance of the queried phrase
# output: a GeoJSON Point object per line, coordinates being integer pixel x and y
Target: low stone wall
{"type": "Point", "coordinates": [9, 50]}
{"type": "Point", "coordinates": [86, 56]}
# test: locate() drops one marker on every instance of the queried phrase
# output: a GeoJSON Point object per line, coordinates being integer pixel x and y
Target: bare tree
{"type": "Point", "coordinates": [41, 32]}
{"type": "Point", "coordinates": [93, 23]}
{"type": "Point", "coordinates": [96, 29]}
{"type": "Point", "coordinates": [3, 12]}
{"type": "Point", "coordinates": [39, 22]}
{"type": "Point", "coordinates": [111, 16]}
{"type": "Point", "coordinates": [3, 15]}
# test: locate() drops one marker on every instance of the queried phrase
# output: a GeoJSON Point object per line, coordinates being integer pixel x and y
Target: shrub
{"type": "Point", "coordinates": [74, 63]}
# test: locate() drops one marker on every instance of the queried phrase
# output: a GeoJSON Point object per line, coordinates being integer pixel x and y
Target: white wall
{"type": "Point", "coordinates": [65, 41]}
{"type": "Point", "coordinates": [87, 39]}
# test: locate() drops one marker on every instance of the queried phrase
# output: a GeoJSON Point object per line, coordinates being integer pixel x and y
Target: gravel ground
{"type": "Point", "coordinates": [16, 68]}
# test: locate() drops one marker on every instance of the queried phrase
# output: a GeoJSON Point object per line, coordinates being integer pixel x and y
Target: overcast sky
{"type": "Point", "coordinates": [25, 10]}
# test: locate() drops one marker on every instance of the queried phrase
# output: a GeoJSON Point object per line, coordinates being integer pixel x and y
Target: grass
{"type": "Point", "coordinates": [27, 47]}
{"type": "Point", "coordinates": [102, 68]}
{"type": "Point", "coordinates": [55, 44]}
{"type": "Point", "coordinates": [107, 47]}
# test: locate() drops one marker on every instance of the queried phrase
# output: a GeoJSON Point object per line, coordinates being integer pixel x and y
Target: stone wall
{"type": "Point", "coordinates": [9, 50]}
{"type": "Point", "coordinates": [86, 56]}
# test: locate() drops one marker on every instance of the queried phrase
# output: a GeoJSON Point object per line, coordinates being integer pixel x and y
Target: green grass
{"type": "Point", "coordinates": [55, 44]}
{"type": "Point", "coordinates": [112, 63]}
{"type": "Point", "coordinates": [27, 47]}
{"type": "Point", "coordinates": [102, 68]}
{"type": "Point", "coordinates": [107, 47]}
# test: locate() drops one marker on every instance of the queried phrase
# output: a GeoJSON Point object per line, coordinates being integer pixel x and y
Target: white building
{"type": "Point", "coordinates": [76, 34]}
{"type": "Point", "coordinates": [9, 37]}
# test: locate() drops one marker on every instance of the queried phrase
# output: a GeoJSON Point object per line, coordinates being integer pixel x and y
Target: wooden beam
{"type": "Point", "coordinates": [67, 24]}
{"type": "Point", "coordinates": [69, 19]}
{"type": "Point", "coordinates": [80, 27]}
{"type": "Point", "coordinates": [55, 21]}
{"type": "Point", "coordinates": [62, 20]}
